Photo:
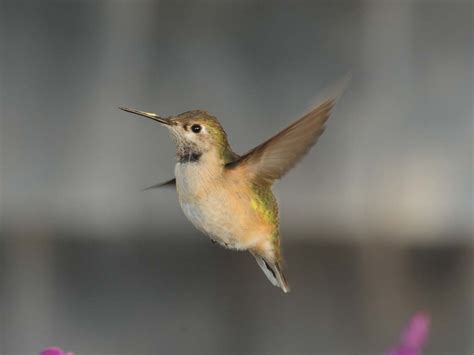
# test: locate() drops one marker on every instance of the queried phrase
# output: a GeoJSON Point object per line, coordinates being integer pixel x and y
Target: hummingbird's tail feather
{"type": "Point", "coordinates": [273, 272]}
{"type": "Point", "coordinates": [169, 183]}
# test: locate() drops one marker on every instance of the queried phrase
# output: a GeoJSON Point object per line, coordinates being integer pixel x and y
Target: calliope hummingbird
{"type": "Point", "coordinates": [229, 197]}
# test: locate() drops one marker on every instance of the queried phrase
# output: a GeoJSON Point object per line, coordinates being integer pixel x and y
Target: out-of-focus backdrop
{"type": "Point", "coordinates": [376, 221]}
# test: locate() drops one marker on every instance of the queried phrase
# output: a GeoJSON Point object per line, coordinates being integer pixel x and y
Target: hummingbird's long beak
{"type": "Point", "coordinates": [152, 116]}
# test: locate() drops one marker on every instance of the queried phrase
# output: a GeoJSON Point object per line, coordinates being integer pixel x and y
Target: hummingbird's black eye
{"type": "Point", "coordinates": [196, 128]}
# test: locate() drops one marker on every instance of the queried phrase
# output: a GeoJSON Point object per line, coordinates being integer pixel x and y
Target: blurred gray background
{"type": "Point", "coordinates": [376, 221]}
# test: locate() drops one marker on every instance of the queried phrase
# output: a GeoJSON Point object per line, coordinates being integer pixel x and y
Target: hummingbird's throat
{"type": "Point", "coordinates": [188, 153]}
{"type": "Point", "coordinates": [192, 157]}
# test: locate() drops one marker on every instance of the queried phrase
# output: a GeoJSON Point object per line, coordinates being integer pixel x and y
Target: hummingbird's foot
{"type": "Point", "coordinates": [221, 243]}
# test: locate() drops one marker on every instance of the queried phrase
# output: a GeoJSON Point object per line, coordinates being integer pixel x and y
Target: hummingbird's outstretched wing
{"type": "Point", "coordinates": [272, 159]}
{"type": "Point", "coordinates": [169, 183]}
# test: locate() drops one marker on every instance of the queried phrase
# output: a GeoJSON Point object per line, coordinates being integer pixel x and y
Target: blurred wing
{"type": "Point", "coordinates": [169, 183]}
{"type": "Point", "coordinates": [272, 159]}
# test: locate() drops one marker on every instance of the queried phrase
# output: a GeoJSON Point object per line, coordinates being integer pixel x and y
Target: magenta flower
{"type": "Point", "coordinates": [413, 337]}
{"type": "Point", "coordinates": [53, 351]}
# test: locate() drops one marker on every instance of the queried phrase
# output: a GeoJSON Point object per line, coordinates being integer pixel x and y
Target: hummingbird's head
{"type": "Point", "coordinates": [195, 133]}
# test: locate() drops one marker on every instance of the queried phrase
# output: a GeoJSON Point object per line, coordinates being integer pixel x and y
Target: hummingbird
{"type": "Point", "coordinates": [228, 196]}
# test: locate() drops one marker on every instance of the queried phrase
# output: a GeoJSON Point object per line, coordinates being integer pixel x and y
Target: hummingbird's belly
{"type": "Point", "coordinates": [220, 209]}
{"type": "Point", "coordinates": [217, 215]}
{"type": "Point", "coordinates": [213, 223]}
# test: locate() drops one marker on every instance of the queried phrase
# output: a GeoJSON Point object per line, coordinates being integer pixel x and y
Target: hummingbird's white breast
{"type": "Point", "coordinates": [217, 206]}
{"type": "Point", "coordinates": [203, 203]}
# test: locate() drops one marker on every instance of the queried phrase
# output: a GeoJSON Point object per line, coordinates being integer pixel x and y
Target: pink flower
{"type": "Point", "coordinates": [53, 351]}
{"type": "Point", "coordinates": [413, 337]}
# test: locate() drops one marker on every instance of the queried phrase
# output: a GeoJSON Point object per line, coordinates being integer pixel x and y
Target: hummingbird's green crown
{"type": "Point", "coordinates": [187, 119]}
